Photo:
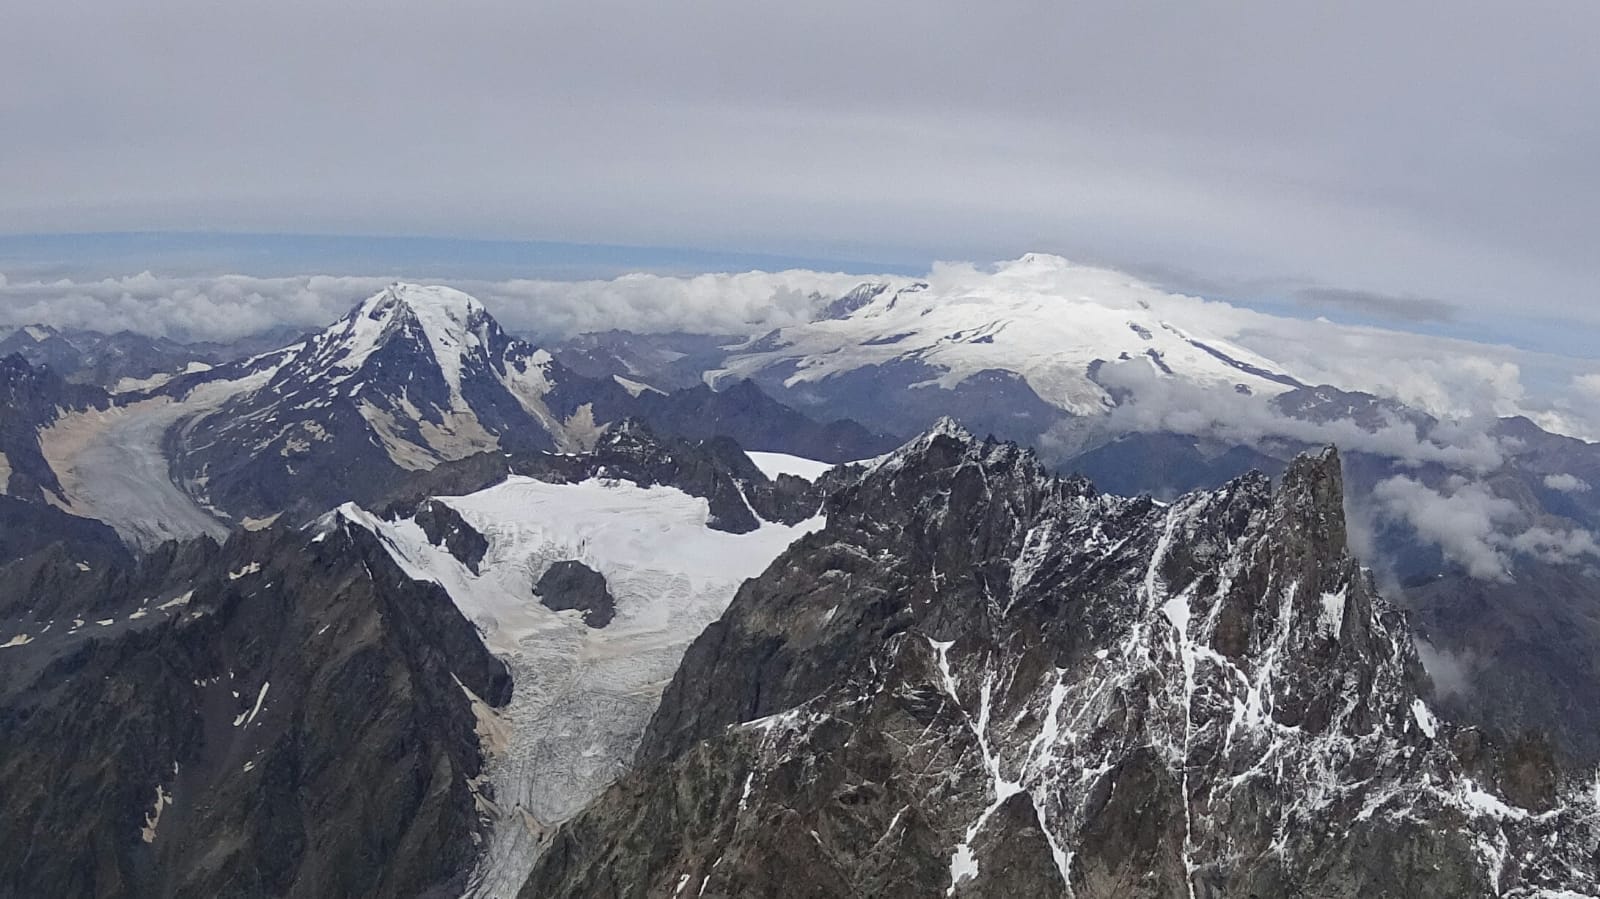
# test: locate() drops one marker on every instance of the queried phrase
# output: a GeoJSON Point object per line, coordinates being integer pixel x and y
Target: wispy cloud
{"type": "Point", "coordinates": [1452, 673]}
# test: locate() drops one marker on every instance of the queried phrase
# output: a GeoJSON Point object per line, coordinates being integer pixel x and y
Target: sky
{"type": "Point", "coordinates": [1432, 165]}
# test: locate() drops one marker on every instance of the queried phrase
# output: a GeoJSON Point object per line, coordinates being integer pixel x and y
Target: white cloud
{"type": "Point", "coordinates": [1566, 483]}
{"type": "Point", "coordinates": [232, 306]}
{"type": "Point", "coordinates": [1555, 545]}
{"type": "Point", "coordinates": [1168, 404]}
{"type": "Point", "coordinates": [1587, 384]}
{"type": "Point", "coordinates": [1477, 529]}
{"type": "Point", "coordinates": [1463, 522]}
{"type": "Point", "coordinates": [743, 303]}
{"type": "Point", "coordinates": [220, 308]}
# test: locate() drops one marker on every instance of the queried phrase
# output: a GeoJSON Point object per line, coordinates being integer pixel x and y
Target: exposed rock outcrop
{"type": "Point", "coordinates": [570, 584]}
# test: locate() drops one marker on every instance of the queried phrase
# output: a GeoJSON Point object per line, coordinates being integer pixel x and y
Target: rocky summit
{"type": "Point", "coordinates": [979, 679]}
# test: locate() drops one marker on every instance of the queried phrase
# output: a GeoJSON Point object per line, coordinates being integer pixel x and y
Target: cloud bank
{"type": "Point", "coordinates": [233, 306]}
{"type": "Point", "coordinates": [1477, 529]}
{"type": "Point", "coordinates": [1166, 404]}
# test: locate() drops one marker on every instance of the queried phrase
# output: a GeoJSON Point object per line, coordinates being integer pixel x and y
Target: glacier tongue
{"type": "Point", "coordinates": [581, 696]}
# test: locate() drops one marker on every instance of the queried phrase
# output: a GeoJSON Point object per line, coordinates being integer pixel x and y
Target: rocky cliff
{"type": "Point", "coordinates": [982, 680]}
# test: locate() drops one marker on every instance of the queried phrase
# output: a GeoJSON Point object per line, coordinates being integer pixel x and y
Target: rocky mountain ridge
{"type": "Point", "coordinates": [981, 680]}
{"type": "Point", "coordinates": [331, 710]}
{"type": "Point", "coordinates": [278, 715]}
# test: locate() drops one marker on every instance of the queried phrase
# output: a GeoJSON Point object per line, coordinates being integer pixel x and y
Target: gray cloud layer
{"type": "Point", "coordinates": [1362, 302]}
{"type": "Point", "coordinates": [1389, 149]}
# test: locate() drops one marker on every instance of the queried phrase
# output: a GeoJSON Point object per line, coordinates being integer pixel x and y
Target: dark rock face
{"type": "Point", "coordinates": [1167, 465]}
{"type": "Point", "coordinates": [980, 680]}
{"type": "Point", "coordinates": [887, 397]}
{"type": "Point", "coordinates": [741, 411]}
{"type": "Point", "coordinates": [445, 527]}
{"type": "Point", "coordinates": [570, 584]}
{"type": "Point", "coordinates": [31, 398]}
{"type": "Point", "coordinates": [1515, 655]}
{"type": "Point", "coordinates": [671, 361]}
{"type": "Point", "coordinates": [284, 715]}
{"type": "Point", "coordinates": [90, 357]}
{"type": "Point", "coordinates": [1325, 403]}
{"type": "Point", "coordinates": [26, 528]}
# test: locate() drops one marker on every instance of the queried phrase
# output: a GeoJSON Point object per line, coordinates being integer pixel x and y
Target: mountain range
{"type": "Point", "coordinates": [409, 605]}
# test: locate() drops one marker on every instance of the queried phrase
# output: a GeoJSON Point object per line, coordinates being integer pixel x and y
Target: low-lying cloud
{"type": "Point", "coordinates": [1463, 521]}
{"type": "Point", "coordinates": [1452, 672]}
{"type": "Point", "coordinates": [1475, 528]}
{"type": "Point", "coordinates": [234, 306]}
{"type": "Point", "coordinates": [1155, 403]}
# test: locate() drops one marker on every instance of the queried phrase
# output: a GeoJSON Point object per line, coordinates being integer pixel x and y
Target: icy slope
{"type": "Point", "coordinates": [581, 696]}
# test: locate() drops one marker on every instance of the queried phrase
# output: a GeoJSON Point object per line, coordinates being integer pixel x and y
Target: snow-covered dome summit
{"type": "Point", "coordinates": [1053, 322]}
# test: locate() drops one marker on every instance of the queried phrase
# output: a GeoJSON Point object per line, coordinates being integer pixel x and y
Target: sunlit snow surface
{"type": "Point", "coordinates": [774, 464]}
{"type": "Point", "coordinates": [581, 696]}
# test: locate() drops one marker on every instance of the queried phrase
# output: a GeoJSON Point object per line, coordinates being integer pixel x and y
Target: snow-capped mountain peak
{"type": "Point", "coordinates": [452, 326]}
{"type": "Point", "coordinates": [1058, 326]}
{"type": "Point", "coordinates": [413, 376]}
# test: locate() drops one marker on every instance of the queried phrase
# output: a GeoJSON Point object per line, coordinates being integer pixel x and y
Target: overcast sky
{"type": "Point", "coordinates": [1428, 163]}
